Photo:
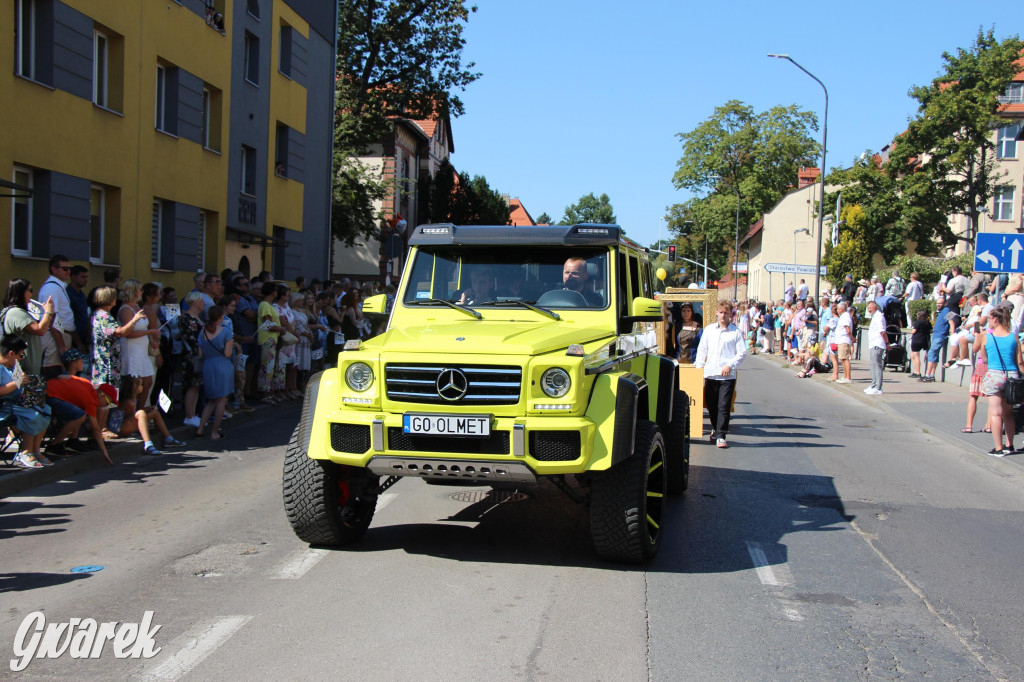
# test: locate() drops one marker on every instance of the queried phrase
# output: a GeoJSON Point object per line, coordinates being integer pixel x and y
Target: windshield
{"type": "Point", "coordinates": [551, 277]}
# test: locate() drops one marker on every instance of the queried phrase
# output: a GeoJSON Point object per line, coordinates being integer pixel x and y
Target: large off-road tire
{"type": "Point", "coordinates": [327, 503]}
{"type": "Point", "coordinates": [627, 502]}
{"type": "Point", "coordinates": [677, 445]}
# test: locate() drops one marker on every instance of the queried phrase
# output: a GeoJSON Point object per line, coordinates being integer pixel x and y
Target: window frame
{"type": "Point", "coordinates": [247, 181]}
{"type": "Point", "coordinates": [100, 70]}
{"type": "Point", "coordinates": [206, 113]}
{"type": "Point", "coordinates": [25, 40]}
{"type": "Point", "coordinates": [156, 234]}
{"type": "Point", "coordinates": [160, 116]}
{"type": "Point", "coordinates": [1003, 205]}
{"type": "Point", "coordinates": [249, 4]}
{"type": "Point", "coordinates": [1006, 139]}
{"type": "Point", "coordinates": [251, 61]}
{"type": "Point", "coordinates": [102, 223]}
{"type": "Point", "coordinates": [29, 213]}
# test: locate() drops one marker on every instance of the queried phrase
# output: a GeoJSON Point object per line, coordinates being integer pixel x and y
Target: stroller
{"type": "Point", "coordinates": [897, 356]}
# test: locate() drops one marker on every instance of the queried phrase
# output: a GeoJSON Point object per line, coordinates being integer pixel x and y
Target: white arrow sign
{"type": "Point", "coordinates": [989, 258]}
{"type": "Point", "coordinates": [1015, 249]}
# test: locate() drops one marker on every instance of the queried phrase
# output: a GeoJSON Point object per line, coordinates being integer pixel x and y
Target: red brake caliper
{"type": "Point", "coordinates": [343, 487]}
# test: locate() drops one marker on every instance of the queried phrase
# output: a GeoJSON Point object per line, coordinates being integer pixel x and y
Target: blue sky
{"type": "Point", "coordinates": [580, 97]}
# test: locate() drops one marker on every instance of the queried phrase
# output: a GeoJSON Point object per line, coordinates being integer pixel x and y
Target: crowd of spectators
{"type": "Point", "coordinates": [112, 361]}
{"type": "Point", "coordinates": [979, 319]}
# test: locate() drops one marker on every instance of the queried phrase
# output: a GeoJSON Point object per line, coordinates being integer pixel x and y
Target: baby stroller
{"type": "Point", "coordinates": [896, 355]}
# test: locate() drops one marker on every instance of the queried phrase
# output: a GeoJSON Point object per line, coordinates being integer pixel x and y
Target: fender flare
{"type": "Point", "coordinates": [631, 403]}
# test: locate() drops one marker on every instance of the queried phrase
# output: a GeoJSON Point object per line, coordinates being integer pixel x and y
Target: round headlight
{"type": "Point", "coordinates": [555, 382]}
{"type": "Point", "coordinates": [359, 376]}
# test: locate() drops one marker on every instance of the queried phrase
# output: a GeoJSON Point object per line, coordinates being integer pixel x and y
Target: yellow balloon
{"type": "Point", "coordinates": [661, 274]}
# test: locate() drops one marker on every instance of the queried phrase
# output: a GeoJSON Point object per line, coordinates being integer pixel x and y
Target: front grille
{"type": "Point", "coordinates": [495, 444]}
{"type": "Point", "coordinates": [487, 384]}
{"type": "Point", "coordinates": [555, 446]}
{"type": "Point", "coordinates": [352, 438]}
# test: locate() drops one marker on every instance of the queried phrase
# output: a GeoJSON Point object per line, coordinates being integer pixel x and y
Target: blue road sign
{"type": "Point", "coordinates": [994, 252]}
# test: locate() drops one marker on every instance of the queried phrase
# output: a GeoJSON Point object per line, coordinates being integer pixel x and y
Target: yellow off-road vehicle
{"type": "Point", "coordinates": [511, 354]}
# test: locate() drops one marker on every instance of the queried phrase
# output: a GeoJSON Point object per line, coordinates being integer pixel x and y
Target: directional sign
{"type": "Point", "coordinates": [795, 269]}
{"type": "Point", "coordinates": [995, 252]}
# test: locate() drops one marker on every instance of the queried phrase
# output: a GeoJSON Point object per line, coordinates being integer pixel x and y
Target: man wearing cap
{"type": "Point", "coordinates": [72, 399]}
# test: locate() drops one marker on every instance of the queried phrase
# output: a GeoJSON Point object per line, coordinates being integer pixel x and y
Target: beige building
{"type": "Point", "coordinates": [786, 236]}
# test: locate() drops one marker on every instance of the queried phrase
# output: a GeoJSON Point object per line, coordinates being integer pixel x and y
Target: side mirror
{"type": "Point", "coordinates": [646, 309]}
{"type": "Point", "coordinates": [375, 305]}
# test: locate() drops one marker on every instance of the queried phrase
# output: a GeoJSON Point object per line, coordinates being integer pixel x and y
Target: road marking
{"type": "Point", "coordinates": [194, 645]}
{"type": "Point", "coordinates": [764, 571]}
{"type": "Point", "coordinates": [299, 563]}
{"type": "Point", "coordinates": [778, 578]}
{"type": "Point", "coordinates": [385, 499]}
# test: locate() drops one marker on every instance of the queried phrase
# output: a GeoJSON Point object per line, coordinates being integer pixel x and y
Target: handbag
{"type": "Point", "coordinates": [289, 339]}
{"type": "Point", "coordinates": [1013, 389]}
{"type": "Point", "coordinates": [33, 391]}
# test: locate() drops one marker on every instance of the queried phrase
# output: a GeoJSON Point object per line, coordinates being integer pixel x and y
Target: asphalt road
{"type": "Point", "coordinates": [832, 541]}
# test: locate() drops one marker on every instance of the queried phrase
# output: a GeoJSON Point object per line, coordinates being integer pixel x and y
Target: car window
{"type": "Point", "coordinates": [556, 277]}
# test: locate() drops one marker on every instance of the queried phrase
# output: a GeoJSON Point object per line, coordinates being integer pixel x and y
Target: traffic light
{"type": "Point", "coordinates": [671, 253]}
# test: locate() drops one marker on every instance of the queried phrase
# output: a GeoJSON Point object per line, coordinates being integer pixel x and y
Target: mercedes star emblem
{"type": "Point", "coordinates": [452, 384]}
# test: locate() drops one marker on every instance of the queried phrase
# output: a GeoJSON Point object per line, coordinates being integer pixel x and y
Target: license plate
{"type": "Point", "coordinates": [447, 424]}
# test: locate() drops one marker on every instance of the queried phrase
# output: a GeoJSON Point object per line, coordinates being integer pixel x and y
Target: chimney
{"type": "Point", "coordinates": [807, 176]}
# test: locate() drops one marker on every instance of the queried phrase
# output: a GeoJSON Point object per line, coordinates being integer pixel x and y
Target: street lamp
{"type": "Point", "coordinates": [821, 195]}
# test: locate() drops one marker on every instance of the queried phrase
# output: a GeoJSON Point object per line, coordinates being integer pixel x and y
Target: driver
{"type": "Point", "coordinates": [574, 278]}
{"type": "Point", "coordinates": [481, 286]}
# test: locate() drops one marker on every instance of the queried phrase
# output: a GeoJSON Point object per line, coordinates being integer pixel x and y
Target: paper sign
{"type": "Point", "coordinates": [164, 401]}
{"type": "Point", "coordinates": [339, 339]}
{"type": "Point", "coordinates": [267, 324]}
{"type": "Point", "coordinates": [317, 354]}
{"type": "Point", "coordinates": [18, 374]}
{"type": "Point", "coordinates": [36, 310]}
{"type": "Point", "coordinates": [171, 311]}
{"type": "Point", "coordinates": [240, 363]}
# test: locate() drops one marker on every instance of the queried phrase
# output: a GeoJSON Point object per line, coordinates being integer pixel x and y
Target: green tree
{"type": "Point", "coordinates": [543, 219]}
{"type": "Point", "coordinates": [395, 58]}
{"type": "Point", "coordinates": [945, 162]}
{"type": "Point", "coordinates": [589, 209]}
{"type": "Point", "coordinates": [738, 155]}
{"type": "Point", "coordinates": [457, 198]}
{"type": "Point", "coordinates": [852, 255]}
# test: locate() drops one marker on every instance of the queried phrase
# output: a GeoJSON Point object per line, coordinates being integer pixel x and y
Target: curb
{"type": "Point", "coordinates": [20, 480]}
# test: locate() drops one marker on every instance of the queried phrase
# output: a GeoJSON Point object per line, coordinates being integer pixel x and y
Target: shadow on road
{"type": "Point", "coordinates": [22, 582]}
{"type": "Point", "coordinates": [707, 529]}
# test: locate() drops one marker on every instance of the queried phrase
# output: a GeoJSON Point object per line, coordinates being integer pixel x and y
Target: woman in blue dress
{"type": "Point", "coordinates": [30, 421]}
{"type": "Point", "coordinates": [217, 348]}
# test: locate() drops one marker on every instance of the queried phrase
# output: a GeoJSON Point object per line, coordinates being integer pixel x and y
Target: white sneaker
{"type": "Point", "coordinates": [868, 389]}
{"type": "Point", "coordinates": [721, 443]}
{"type": "Point", "coordinates": [844, 381]}
{"type": "Point", "coordinates": [192, 421]}
{"type": "Point", "coordinates": [963, 363]}
{"type": "Point", "coordinates": [26, 460]}
{"type": "Point", "coordinates": [873, 391]}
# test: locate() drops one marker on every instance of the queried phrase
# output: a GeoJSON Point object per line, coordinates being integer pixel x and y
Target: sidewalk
{"type": "Point", "coordinates": [940, 407]}
{"type": "Point", "coordinates": [14, 480]}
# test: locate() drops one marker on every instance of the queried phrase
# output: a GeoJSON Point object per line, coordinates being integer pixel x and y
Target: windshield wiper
{"type": "Point", "coordinates": [450, 304]}
{"type": "Point", "coordinates": [524, 304]}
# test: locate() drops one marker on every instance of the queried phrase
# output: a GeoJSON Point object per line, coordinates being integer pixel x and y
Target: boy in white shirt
{"type": "Point", "coordinates": [721, 350]}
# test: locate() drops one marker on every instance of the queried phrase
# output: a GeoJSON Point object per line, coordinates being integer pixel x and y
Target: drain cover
{"type": "Point", "coordinates": [495, 496]}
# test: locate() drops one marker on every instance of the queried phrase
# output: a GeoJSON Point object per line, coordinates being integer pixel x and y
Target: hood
{"type": "Point", "coordinates": [501, 337]}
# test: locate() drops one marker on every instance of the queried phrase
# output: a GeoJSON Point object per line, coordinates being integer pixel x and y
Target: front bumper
{"type": "Point", "coordinates": [544, 445]}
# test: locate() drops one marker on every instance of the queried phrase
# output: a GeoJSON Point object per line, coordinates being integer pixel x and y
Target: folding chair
{"type": "Point", "coordinates": [10, 439]}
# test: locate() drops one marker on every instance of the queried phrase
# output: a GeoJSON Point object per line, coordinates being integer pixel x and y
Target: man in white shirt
{"type": "Point", "coordinates": [844, 342]}
{"type": "Point", "coordinates": [789, 293]}
{"type": "Point", "coordinates": [721, 350]}
{"type": "Point", "coordinates": [878, 341]}
{"type": "Point", "coordinates": [803, 291]}
{"type": "Point", "coordinates": [58, 338]}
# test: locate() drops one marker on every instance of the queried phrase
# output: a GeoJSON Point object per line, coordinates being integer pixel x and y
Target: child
{"type": "Point", "coordinates": [126, 419]}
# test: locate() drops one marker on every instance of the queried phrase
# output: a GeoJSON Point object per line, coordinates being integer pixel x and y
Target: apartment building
{"type": "Point", "coordinates": [165, 137]}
